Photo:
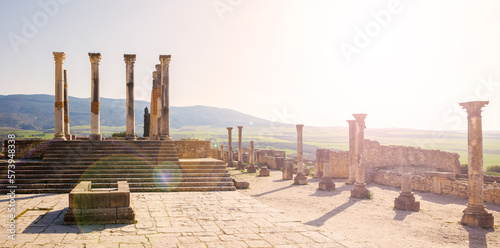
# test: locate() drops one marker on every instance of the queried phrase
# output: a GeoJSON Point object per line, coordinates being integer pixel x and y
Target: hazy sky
{"type": "Point", "coordinates": [407, 64]}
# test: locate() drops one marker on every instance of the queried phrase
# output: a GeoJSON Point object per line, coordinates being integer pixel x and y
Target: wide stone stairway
{"type": "Point", "coordinates": [147, 166]}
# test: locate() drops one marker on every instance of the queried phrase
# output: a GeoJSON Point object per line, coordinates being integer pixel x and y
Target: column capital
{"type": "Point", "coordinates": [95, 57]}
{"type": "Point", "coordinates": [474, 108]}
{"type": "Point", "coordinates": [59, 57]}
{"type": "Point", "coordinates": [229, 128]}
{"type": "Point", "coordinates": [165, 59]}
{"type": "Point", "coordinates": [240, 127]}
{"type": "Point", "coordinates": [129, 58]}
{"type": "Point", "coordinates": [351, 122]}
{"type": "Point", "coordinates": [158, 67]}
{"type": "Point", "coordinates": [300, 127]}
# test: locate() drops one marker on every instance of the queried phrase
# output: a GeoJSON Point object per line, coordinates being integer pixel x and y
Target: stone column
{"type": "Point", "coordinates": [95, 122]}
{"type": "Point", "coordinates": [222, 153]}
{"type": "Point", "coordinates": [475, 213]}
{"type": "Point", "coordinates": [240, 150]}
{"type": "Point", "coordinates": [66, 107]}
{"type": "Point", "coordinates": [251, 165]}
{"type": "Point", "coordinates": [165, 107]}
{"type": "Point", "coordinates": [59, 96]}
{"type": "Point", "coordinates": [326, 182]}
{"type": "Point", "coordinates": [352, 165]}
{"type": "Point", "coordinates": [288, 170]}
{"type": "Point", "coordinates": [406, 200]}
{"type": "Point", "coordinates": [230, 162]}
{"type": "Point", "coordinates": [360, 190]}
{"type": "Point", "coordinates": [130, 129]}
{"type": "Point", "coordinates": [300, 178]}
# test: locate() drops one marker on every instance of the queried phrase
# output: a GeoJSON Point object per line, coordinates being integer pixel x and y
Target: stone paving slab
{"type": "Point", "coordinates": [174, 219]}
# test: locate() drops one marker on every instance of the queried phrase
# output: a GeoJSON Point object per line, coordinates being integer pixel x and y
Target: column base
{"type": "Point", "coordinates": [131, 137]}
{"type": "Point", "coordinates": [326, 184]}
{"type": "Point", "coordinates": [300, 179]}
{"type": "Point", "coordinates": [318, 175]}
{"type": "Point", "coordinates": [95, 137]}
{"type": "Point", "coordinates": [360, 191]}
{"type": "Point", "coordinates": [349, 182]}
{"type": "Point", "coordinates": [251, 169]}
{"type": "Point", "coordinates": [230, 163]}
{"type": "Point", "coordinates": [264, 172]}
{"type": "Point", "coordinates": [165, 137]}
{"type": "Point", "coordinates": [406, 201]}
{"type": "Point", "coordinates": [476, 216]}
{"type": "Point", "coordinates": [59, 137]}
{"type": "Point", "coordinates": [240, 166]}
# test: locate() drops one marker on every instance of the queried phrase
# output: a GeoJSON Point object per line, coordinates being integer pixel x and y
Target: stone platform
{"type": "Point", "coordinates": [174, 219]}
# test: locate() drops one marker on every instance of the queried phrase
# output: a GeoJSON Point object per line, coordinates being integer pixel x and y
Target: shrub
{"type": "Point", "coordinates": [119, 134]}
{"type": "Point", "coordinates": [493, 168]}
{"type": "Point", "coordinates": [464, 169]}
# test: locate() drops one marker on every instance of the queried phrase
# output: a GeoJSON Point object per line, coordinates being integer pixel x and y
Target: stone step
{"type": "Point", "coordinates": [111, 167]}
{"type": "Point", "coordinates": [130, 180]}
{"type": "Point", "coordinates": [113, 184]}
{"type": "Point", "coordinates": [109, 158]}
{"type": "Point", "coordinates": [143, 189]}
{"type": "Point", "coordinates": [122, 171]}
{"type": "Point", "coordinates": [121, 175]}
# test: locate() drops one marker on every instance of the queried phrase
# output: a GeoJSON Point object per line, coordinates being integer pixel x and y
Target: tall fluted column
{"type": "Point", "coordinates": [240, 149]}
{"type": "Point", "coordinates": [59, 96]}
{"type": "Point", "coordinates": [359, 190]}
{"type": "Point", "coordinates": [475, 213]}
{"type": "Point", "coordinates": [130, 131]}
{"type": "Point", "coordinates": [300, 178]}
{"type": "Point", "coordinates": [230, 162]}
{"type": "Point", "coordinates": [66, 107]}
{"type": "Point", "coordinates": [165, 110]}
{"type": "Point", "coordinates": [352, 165]}
{"type": "Point", "coordinates": [95, 122]}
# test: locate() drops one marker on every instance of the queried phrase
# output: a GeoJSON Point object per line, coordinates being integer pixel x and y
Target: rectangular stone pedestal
{"type": "Point", "coordinates": [264, 172]}
{"type": "Point", "coordinates": [99, 206]}
{"type": "Point", "coordinates": [288, 171]}
{"type": "Point", "coordinates": [406, 201]}
{"type": "Point", "coordinates": [476, 216]}
{"type": "Point", "coordinates": [327, 184]}
{"type": "Point", "coordinates": [360, 191]}
{"type": "Point", "coordinates": [251, 169]}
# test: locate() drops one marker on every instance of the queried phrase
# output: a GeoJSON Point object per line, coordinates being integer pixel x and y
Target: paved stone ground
{"type": "Point", "coordinates": [185, 219]}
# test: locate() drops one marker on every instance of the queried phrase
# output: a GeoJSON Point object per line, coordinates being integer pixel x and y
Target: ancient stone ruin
{"type": "Point", "coordinates": [406, 199]}
{"type": "Point", "coordinates": [87, 206]}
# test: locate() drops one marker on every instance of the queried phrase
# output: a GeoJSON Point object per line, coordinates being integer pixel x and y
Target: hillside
{"type": "Point", "coordinates": [36, 112]}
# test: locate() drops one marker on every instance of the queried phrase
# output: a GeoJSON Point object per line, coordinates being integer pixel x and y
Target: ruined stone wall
{"type": "Point", "coordinates": [28, 149]}
{"type": "Point", "coordinates": [193, 148]}
{"type": "Point", "coordinates": [436, 182]}
{"type": "Point", "coordinates": [377, 155]}
{"type": "Point", "coordinates": [339, 164]}
{"type": "Point", "coordinates": [272, 158]}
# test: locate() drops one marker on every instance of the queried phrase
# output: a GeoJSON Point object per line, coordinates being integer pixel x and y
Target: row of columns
{"type": "Point", "coordinates": [161, 127]}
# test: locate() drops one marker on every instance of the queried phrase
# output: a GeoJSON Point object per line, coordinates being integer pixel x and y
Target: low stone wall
{"type": "Point", "coordinates": [436, 182]}
{"type": "Point", "coordinates": [272, 158]}
{"type": "Point", "coordinates": [29, 149]}
{"type": "Point", "coordinates": [377, 155]}
{"type": "Point", "coordinates": [193, 148]}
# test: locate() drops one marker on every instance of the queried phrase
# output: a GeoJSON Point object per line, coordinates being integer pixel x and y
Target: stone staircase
{"type": "Point", "coordinates": [147, 166]}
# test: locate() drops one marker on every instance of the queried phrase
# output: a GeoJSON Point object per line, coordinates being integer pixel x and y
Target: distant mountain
{"type": "Point", "coordinates": [36, 112]}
